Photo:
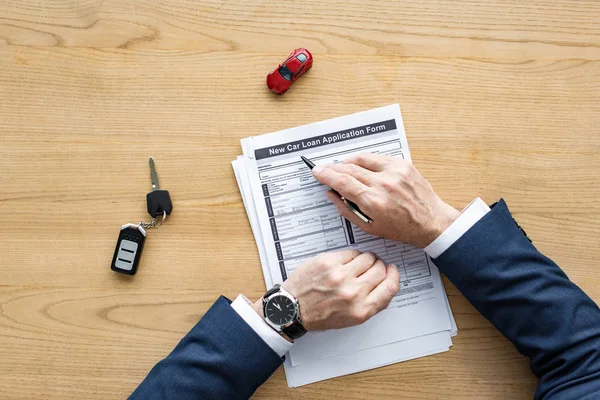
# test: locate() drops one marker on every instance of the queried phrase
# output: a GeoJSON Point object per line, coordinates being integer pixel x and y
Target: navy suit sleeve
{"type": "Point", "coordinates": [222, 357]}
{"type": "Point", "coordinates": [532, 302]}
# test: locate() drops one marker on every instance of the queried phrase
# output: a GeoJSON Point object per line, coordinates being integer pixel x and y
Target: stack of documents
{"type": "Point", "coordinates": [293, 220]}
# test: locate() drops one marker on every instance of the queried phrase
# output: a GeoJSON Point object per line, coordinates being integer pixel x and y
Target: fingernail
{"type": "Point", "coordinates": [317, 170]}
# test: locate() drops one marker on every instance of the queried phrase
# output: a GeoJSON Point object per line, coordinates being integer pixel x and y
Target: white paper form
{"type": "Point", "coordinates": [241, 176]}
{"type": "Point", "coordinates": [319, 370]}
{"type": "Point", "coordinates": [366, 359]}
{"type": "Point", "coordinates": [297, 221]}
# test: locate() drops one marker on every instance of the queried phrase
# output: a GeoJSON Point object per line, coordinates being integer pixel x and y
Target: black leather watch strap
{"type": "Point", "coordinates": [295, 330]}
{"type": "Point", "coordinates": [271, 291]}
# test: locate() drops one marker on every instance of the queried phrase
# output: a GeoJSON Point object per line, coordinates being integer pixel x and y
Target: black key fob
{"type": "Point", "coordinates": [129, 249]}
{"type": "Point", "coordinates": [159, 201]}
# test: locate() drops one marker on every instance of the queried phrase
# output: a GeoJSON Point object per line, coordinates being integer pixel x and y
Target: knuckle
{"type": "Point", "coordinates": [362, 157]}
{"type": "Point", "coordinates": [392, 287]}
{"type": "Point", "coordinates": [404, 171]}
{"type": "Point", "coordinates": [350, 169]}
{"type": "Point", "coordinates": [362, 193]}
{"type": "Point", "coordinates": [336, 278]}
{"type": "Point", "coordinates": [320, 260]}
{"type": "Point", "coordinates": [362, 314]}
{"type": "Point", "coordinates": [381, 305]}
{"type": "Point", "coordinates": [348, 294]}
{"type": "Point", "coordinates": [370, 257]}
{"type": "Point", "coordinates": [344, 182]}
{"type": "Point", "coordinates": [369, 199]}
{"type": "Point", "coordinates": [350, 253]}
{"type": "Point", "coordinates": [371, 311]}
{"type": "Point", "coordinates": [388, 185]}
{"type": "Point", "coordinates": [381, 272]}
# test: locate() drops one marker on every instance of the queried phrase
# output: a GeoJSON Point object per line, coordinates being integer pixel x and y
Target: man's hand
{"type": "Point", "coordinates": [393, 193]}
{"type": "Point", "coordinates": [341, 289]}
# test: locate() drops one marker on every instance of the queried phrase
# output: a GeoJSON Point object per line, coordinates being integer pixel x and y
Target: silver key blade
{"type": "Point", "coordinates": [153, 175]}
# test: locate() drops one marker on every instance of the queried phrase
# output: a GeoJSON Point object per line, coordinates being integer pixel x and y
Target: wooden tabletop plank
{"type": "Point", "coordinates": [449, 28]}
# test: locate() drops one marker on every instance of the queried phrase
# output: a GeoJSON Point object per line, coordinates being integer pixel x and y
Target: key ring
{"type": "Point", "coordinates": [154, 223]}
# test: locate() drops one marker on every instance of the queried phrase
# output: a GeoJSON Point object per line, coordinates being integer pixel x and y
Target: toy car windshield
{"type": "Point", "coordinates": [285, 72]}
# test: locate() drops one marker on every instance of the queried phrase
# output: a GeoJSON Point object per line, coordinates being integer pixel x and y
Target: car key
{"type": "Point", "coordinates": [129, 249]}
{"type": "Point", "coordinates": [132, 236]}
{"type": "Point", "coordinates": [159, 201]}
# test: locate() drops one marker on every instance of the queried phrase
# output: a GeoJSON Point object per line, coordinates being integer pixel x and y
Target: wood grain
{"type": "Point", "coordinates": [499, 99]}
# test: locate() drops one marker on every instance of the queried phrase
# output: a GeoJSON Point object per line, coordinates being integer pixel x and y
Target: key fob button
{"type": "Point", "coordinates": [126, 254]}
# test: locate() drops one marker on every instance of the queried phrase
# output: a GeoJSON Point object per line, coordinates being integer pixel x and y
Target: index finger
{"type": "Point", "coordinates": [341, 257]}
{"type": "Point", "coordinates": [361, 174]}
{"type": "Point", "coordinates": [370, 161]}
{"type": "Point", "coordinates": [346, 185]}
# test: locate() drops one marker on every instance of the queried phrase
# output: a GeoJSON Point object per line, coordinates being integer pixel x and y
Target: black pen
{"type": "Point", "coordinates": [350, 204]}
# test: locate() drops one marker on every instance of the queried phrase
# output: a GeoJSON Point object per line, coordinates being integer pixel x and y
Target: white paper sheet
{"type": "Point", "coordinates": [319, 370]}
{"type": "Point", "coordinates": [366, 359]}
{"type": "Point", "coordinates": [283, 201]}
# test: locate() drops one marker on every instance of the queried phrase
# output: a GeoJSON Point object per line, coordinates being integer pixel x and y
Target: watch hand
{"type": "Point", "coordinates": [277, 306]}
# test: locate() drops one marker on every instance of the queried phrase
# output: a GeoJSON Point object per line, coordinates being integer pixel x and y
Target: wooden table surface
{"type": "Point", "coordinates": [499, 98]}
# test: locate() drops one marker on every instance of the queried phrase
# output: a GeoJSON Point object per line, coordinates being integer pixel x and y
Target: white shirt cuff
{"type": "Point", "coordinates": [467, 218]}
{"type": "Point", "coordinates": [243, 307]}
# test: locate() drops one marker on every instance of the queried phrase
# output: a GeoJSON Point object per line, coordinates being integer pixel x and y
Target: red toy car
{"type": "Point", "coordinates": [297, 64]}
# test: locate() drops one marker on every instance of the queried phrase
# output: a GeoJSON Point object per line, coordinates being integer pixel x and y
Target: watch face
{"type": "Point", "coordinates": [280, 310]}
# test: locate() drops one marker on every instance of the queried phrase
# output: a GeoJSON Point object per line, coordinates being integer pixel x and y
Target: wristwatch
{"type": "Point", "coordinates": [282, 312]}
